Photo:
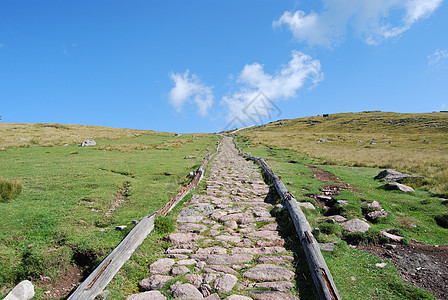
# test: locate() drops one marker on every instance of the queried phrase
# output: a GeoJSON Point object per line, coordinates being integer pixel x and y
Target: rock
{"type": "Point", "coordinates": [390, 246]}
{"type": "Point", "coordinates": [325, 198]}
{"type": "Point", "coordinates": [381, 265]}
{"type": "Point", "coordinates": [378, 214]}
{"type": "Point", "coordinates": [391, 236]}
{"type": "Point", "coordinates": [88, 142]}
{"type": "Point", "coordinates": [183, 238]}
{"type": "Point", "coordinates": [398, 186]}
{"type": "Point", "coordinates": [277, 259]}
{"type": "Point", "coordinates": [194, 279]}
{"type": "Point", "coordinates": [150, 295]}
{"type": "Point", "coordinates": [198, 210]}
{"type": "Point", "coordinates": [229, 238]}
{"type": "Point", "coordinates": [229, 259]}
{"type": "Point", "coordinates": [177, 256]}
{"type": "Point", "coordinates": [374, 205]}
{"type": "Point", "coordinates": [231, 223]}
{"type": "Point", "coordinates": [211, 250]}
{"type": "Point", "coordinates": [214, 296]}
{"type": "Point", "coordinates": [281, 286]}
{"type": "Point", "coordinates": [178, 251]}
{"type": "Point", "coordinates": [338, 218]}
{"type": "Point", "coordinates": [356, 225]}
{"type": "Point", "coordinates": [322, 141]}
{"type": "Point", "coordinates": [187, 262]}
{"type": "Point", "coordinates": [261, 250]}
{"type": "Point", "coordinates": [206, 290]}
{"type": "Point", "coordinates": [210, 277]}
{"type": "Point", "coordinates": [190, 219]}
{"type": "Point", "coordinates": [237, 297]}
{"type": "Point", "coordinates": [154, 282]}
{"type": "Point", "coordinates": [265, 234]}
{"type": "Point", "coordinates": [327, 247]}
{"type": "Point", "coordinates": [179, 270]}
{"type": "Point", "coordinates": [122, 227]}
{"type": "Point", "coordinates": [186, 291]}
{"type": "Point", "coordinates": [161, 266]}
{"type": "Point", "coordinates": [190, 227]}
{"type": "Point", "coordinates": [189, 157]}
{"type": "Point", "coordinates": [23, 291]}
{"type": "Point", "coordinates": [104, 294]}
{"type": "Point", "coordinates": [306, 205]}
{"type": "Point", "coordinates": [269, 272]}
{"type": "Point", "coordinates": [342, 202]}
{"type": "Point", "coordinates": [391, 175]}
{"type": "Point", "coordinates": [219, 269]}
{"type": "Point", "coordinates": [225, 283]}
{"type": "Point", "coordinates": [262, 295]}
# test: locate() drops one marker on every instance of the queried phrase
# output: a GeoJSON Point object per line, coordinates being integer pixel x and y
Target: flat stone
{"type": "Point", "coordinates": [121, 227]}
{"type": "Point", "coordinates": [218, 215]}
{"type": "Point", "coordinates": [178, 251]}
{"type": "Point", "coordinates": [236, 216]}
{"type": "Point", "coordinates": [228, 238]}
{"type": "Point", "coordinates": [231, 223]}
{"type": "Point", "coordinates": [338, 218]}
{"type": "Point", "coordinates": [214, 296]}
{"type": "Point", "coordinates": [391, 175]}
{"type": "Point", "coordinates": [306, 205]}
{"type": "Point", "coordinates": [262, 295]}
{"type": "Point", "coordinates": [189, 227]}
{"type": "Point", "coordinates": [271, 226]}
{"type": "Point", "coordinates": [182, 238]}
{"type": "Point", "coordinates": [398, 186]}
{"type": "Point", "coordinates": [197, 210]}
{"type": "Point", "coordinates": [213, 232]}
{"type": "Point", "coordinates": [190, 219]}
{"type": "Point", "coordinates": [228, 259]}
{"type": "Point", "coordinates": [194, 279]}
{"type": "Point", "coordinates": [154, 282]}
{"type": "Point", "coordinates": [219, 269]}
{"type": "Point", "coordinates": [261, 243]}
{"type": "Point", "coordinates": [186, 291]}
{"type": "Point", "coordinates": [281, 286]}
{"type": "Point", "coordinates": [237, 297]}
{"type": "Point", "coordinates": [150, 295]}
{"type": "Point", "coordinates": [177, 256]}
{"type": "Point", "coordinates": [378, 214]}
{"type": "Point", "coordinates": [269, 272]}
{"type": "Point", "coordinates": [391, 236]}
{"type": "Point", "coordinates": [210, 277]}
{"type": "Point", "coordinates": [161, 266]}
{"type": "Point", "coordinates": [374, 205]}
{"type": "Point", "coordinates": [342, 202]}
{"type": "Point", "coordinates": [261, 250]}
{"type": "Point", "coordinates": [356, 225]}
{"type": "Point", "coordinates": [211, 250]}
{"type": "Point", "coordinates": [179, 270]}
{"type": "Point", "coordinates": [265, 234]}
{"type": "Point", "coordinates": [225, 283]}
{"type": "Point", "coordinates": [187, 262]}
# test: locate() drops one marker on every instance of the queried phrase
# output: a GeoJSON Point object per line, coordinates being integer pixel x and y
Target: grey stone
{"type": "Point", "coordinates": [189, 157]}
{"type": "Point", "coordinates": [281, 286]}
{"type": "Point", "coordinates": [154, 282]}
{"type": "Point", "coordinates": [194, 279]}
{"type": "Point", "coordinates": [225, 283]}
{"type": "Point", "coordinates": [228, 238]}
{"type": "Point", "coordinates": [228, 259]}
{"type": "Point", "coordinates": [161, 266]}
{"type": "Point", "coordinates": [190, 219]}
{"type": "Point", "coordinates": [391, 236]}
{"type": "Point", "coordinates": [391, 175]}
{"type": "Point", "coordinates": [187, 262]}
{"type": "Point", "coordinates": [189, 227]}
{"type": "Point", "coordinates": [231, 223]}
{"type": "Point", "coordinates": [356, 225]}
{"type": "Point", "coordinates": [211, 250]}
{"type": "Point", "coordinates": [398, 186]}
{"type": "Point", "coordinates": [237, 297]}
{"type": "Point", "coordinates": [182, 238]}
{"type": "Point", "coordinates": [374, 215]}
{"type": "Point", "coordinates": [206, 290]}
{"type": "Point", "coordinates": [186, 291]}
{"type": "Point", "coordinates": [261, 250]}
{"type": "Point", "coordinates": [219, 269]}
{"type": "Point", "coordinates": [122, 227]}
{"type": "Point", "coordinates": [150, 295]}
{"type": "Point", "coordinates": [23, 291]}
{"type": "Point", "coordinates": [269, 272]}
{"type": "Point", "coordinates": [179, 270]}
{"type": "Point", "coordinates": [198, 210]}
{"type": "Point", "coordinates": [214, 296]}
{"type": "Point", "coordinates": [88, 142]}
{"type": "Point", "coordinates": [338, 218]}
{"type": "Point", "coordinates": [265, 234]}
{"type": "Point", "coordinates": [210, 277]}
{"type": "Point", "coordinates": [177, 256]}
{"type": "Point", "coordinates": [262, 295]}
{"type": "Point", "coordinates": [342, 202]}
{"type": "Point", "coordinates": [374, 205]}
{"type": "Point", "coordinates": [306, 205]}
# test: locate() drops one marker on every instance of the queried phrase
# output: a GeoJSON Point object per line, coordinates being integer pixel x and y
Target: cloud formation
{"type": "Point", "coordinates": [258, 90]}
{"type": "Point", "coordinates": [190, 89]}
{"type": "Point", "coordinates": [437, 57]}
{"type": "Point", "coordinates": [371, 20]}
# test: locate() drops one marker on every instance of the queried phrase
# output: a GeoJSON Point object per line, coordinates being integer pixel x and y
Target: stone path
{"type": "Point", "coordinates": [227, 244]}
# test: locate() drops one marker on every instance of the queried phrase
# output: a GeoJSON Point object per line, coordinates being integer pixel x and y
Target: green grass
{"type": "Point", "coordinates": [9, 189]}
{"type": "Point", "coordinates": [67, 191]}
{"type": "Point", "coordinates": [346, 263]}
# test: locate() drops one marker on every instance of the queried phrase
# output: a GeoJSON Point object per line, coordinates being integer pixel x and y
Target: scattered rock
{"type": "Point", "coordinates": [338, 218]}
{"type": "Point", "coordinates": [268, 272]}
{"type": "Point", "coordinates": [390, 246]}
{"type": "Point", "coordinates": [381, 265]}
{"type": "Point", "coordinates": [189, 157]}
{"type": "Point", "coordinates": [307, 205]}
{"type": "Point", "coordinates": [23, 291]}
{"type": "Point", "coordinates": [398, 186]}
{"type": "Point", "coordinates": [121, 227]}
{"type": "Point", "coordinates": [186, 291]}
{"type": "Point", "coordinates": [277, 259]}
{"type": "Point", "coordinates": [374, 205]}
{"type": "Point", "coordinates": [390, 236]}
{"type": "Point", "coordinates": [281, 286]}
{"type": "Point", "coordinates": [179, 270]}
{"type": "Point", "coordinates": [183, 238]}
{"type": "Point", "coordinates": [356, 225]}
{"type": "Point", "coordinates": [237, 297]}
{"type": "Point", "coordinates": [219, 269]}
{"type": "Point", "coordinates": [391, 175]}
{"type": "Point", "coordinates": [154, 295]}
{"type": "Point", "coordinates": [266, 295]}
{"type": "Point", "coordinates": [213, 297]}
{"type": "Point", "coordinates": [225, 283]}
{"type": "Point", "coordinates": [194, 279]}
{"type": "Point", "coordinates": [342, 202]}
{"type": "Point", "coordinates": [206, 290]}
{"type": "Point", "coordinates": [378, 214]}
{"type": "Point", "coordinates": [88, 142]}
{"type": "Point", "coordinates": [154, 282]}
{"type": "Point", "coordinates": [228, 259]}
{"type": "Point", "coordinates": [322, 141]}
{"type": "Point", "coordinates": [161, 266]}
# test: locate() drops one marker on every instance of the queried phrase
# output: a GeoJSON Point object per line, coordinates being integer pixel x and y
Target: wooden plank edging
{"type": "Point", "coordinates": [322, 278]}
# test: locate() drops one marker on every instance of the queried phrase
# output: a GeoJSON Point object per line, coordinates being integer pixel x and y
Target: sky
{"type": "Point", "coordinates": [206, 66]}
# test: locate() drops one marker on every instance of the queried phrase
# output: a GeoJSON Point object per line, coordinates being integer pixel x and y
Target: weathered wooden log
{"type": "Point", "coordinates": [103, 274]}
{"type": "Point", "coordinates": [322, 278]}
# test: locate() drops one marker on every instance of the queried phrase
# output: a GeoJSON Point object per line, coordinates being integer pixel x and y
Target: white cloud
{"type": "Point", "coordinates": [190, 89]}
{"type": "Point", "coordinates": [248, 104]}
{"type": "Point", "coordinates": [437, 57]}
{"type": "Point", "coordinates": [372, 20]}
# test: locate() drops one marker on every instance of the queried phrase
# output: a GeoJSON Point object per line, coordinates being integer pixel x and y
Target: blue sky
{"type": "Point", "coordinates": [195, 66]}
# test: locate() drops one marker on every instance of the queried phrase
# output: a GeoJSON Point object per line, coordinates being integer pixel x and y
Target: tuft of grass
{"type": "Point", "coordinates": [9, 189]}
{"type": "Point", "coordinates": [164, 225]}
{"type": "Point", "coordinates": [372, 236]}
{"type": "Point", "coordinates": [442, 220]}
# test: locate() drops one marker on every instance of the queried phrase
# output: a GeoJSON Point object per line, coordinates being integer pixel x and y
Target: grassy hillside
{"type": "Point", "coordinates": [63, 221]}
{"type": "Point", "coordinates": [413, 143]}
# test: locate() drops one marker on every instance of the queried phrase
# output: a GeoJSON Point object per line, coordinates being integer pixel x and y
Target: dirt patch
{"type": "Point", "coordinates": [423, 266]}
{"type": "Point", "coordinates": [64, 285]}
{"type": "Point", "coordinates": [322, 175]}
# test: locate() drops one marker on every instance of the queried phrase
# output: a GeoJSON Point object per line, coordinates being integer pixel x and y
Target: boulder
{"type": "Point", "coordinates": [186, 291]}
{"type": "Point", "coordinates": [225, 283]}
{"type": "Point", "coordinates": [154, 282]}
{"type": "Point", "coordinates": [391, 175]}
{"type": "Point", "coordinates": [398, 186]}
{"type": "Point", "coordinates": [88, 142]}
{"type": "Point", "coordinates": [23, 291]}
{"type": "Point", "coordinates": [356, 225]}
{"type": "Point", "coordinates": [161, 266]}
{"type": "Point", "coordinates": [155, 295]}
{"type": "Point", "coordinates": [269, 272]}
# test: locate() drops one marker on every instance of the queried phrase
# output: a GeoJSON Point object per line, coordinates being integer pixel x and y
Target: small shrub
{"type": "Point", "coordinates": [164, 225]}
{"type": "Point", "coordinates": [442, 220]}
{"type": "Point", "coordinates": [9, 189]}
{"type": "Point", "coordinates": [372, 236]}
{"type": "Point", "coordinates": [330, 228]}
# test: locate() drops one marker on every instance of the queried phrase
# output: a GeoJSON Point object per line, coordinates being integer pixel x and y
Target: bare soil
{"type": "Point", "coordinates": [421, 265]}
{"type": "Point", "coordinates": [62, 287]}
{"type": "Point", "coordinates": [322, 175]}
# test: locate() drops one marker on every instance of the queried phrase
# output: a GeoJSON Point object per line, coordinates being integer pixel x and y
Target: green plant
{"type": "Point", "coordinates": [164, 225]}
{"type": "Point", "coordinates": [9, 189]}
{"type": "Point", "coordinates": [442, 220]}
{"type": "Point", "coordinates": [371, 236]}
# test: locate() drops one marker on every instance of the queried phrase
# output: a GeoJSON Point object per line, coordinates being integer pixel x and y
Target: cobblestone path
{"type": "Point", "coordinates": [227, 244]}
